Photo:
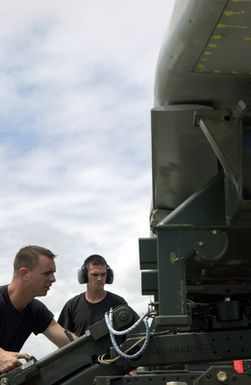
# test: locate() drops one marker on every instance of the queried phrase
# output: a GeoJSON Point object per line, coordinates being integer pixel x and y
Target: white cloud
{"type": "Point", "coordinates": [76, 89]}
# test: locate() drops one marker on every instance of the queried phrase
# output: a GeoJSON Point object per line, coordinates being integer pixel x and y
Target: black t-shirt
{"type": "Point", "coordinates": [78, 314]}
{"type": "Point", "coordinates": [16, 326]}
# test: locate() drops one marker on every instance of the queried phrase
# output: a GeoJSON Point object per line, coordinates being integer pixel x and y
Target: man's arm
{"type": "Point", "coordinates": [56, 334]}
{"type": "Point", "coordinates": [10, 360]}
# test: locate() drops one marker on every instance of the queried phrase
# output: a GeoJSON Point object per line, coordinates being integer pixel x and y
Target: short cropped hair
{"type": "Point", "coordinates": [95, 259]}
{"type": "Point", "coordinates": [28, 256]}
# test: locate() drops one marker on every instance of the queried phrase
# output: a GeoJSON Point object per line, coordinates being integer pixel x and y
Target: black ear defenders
{"type": "Point", "coordinates": [83, 273]}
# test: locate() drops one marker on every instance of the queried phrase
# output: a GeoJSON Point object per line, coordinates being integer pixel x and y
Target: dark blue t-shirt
{"type": "Point", "coordinates": [16, 326]}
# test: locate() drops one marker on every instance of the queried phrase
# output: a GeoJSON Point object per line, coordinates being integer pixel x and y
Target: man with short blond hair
{"type": "Point", "coordinates": [20, 313]}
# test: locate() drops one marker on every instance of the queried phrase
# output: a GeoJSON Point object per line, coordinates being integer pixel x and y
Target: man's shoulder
{"type": "Point", "coordinates": [115, 297]}
{"type": "Point", "coordinates": [74, 300]}
{"type": "Point", "coordinates": [36, 305]}
{"type": "Point", "coordinates": [3, 289]}
{"type": "Point", "coordinates": [4, 295]}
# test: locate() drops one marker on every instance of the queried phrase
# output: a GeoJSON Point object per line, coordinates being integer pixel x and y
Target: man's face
{"type": "Point", "coordinates": [96, 276]}
{"type": "Point", "coordinates": [41, 277]}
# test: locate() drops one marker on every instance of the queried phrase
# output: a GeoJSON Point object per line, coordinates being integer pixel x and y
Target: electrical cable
{"type": "Point", "coordinates": [113, 332]}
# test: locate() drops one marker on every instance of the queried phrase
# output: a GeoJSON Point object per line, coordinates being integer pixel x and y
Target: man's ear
{"type": "Point", "coordinates": [24, 273]}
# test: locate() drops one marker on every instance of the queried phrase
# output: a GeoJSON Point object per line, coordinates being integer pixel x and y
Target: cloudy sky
{"type": "Point", "coordinates": [76, 90]}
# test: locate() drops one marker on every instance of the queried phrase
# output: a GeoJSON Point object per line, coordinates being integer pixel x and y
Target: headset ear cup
{"type": "Point", "coordinates": [110, 275]}
{"type": "Point", "coordinates": [82, 275]}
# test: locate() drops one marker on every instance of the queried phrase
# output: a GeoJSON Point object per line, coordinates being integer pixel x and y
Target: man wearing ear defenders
{"type": "Point", "coordinates": [89, 307]}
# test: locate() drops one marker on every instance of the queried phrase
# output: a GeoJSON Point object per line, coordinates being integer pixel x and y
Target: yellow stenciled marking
{"type": "Point", "coordinates": [212, 45]}
{"type": "Point", "coordinates": [235, 72]}
{"type": "Point", "coordinates": [217, 37]}
{"type": "Point", "coordinates": [241, 1]}
{"type": "Point", "coordinates": [233, 13]}
{"type": "Point", "coordinates": [216, 71]}
{"type": "Point", "coordinates": [173, 257]}
{"type": "Point", "coordinates": [247, 38]}
{"type": "Point", "coordinates": [208, 53]}
{"type": "Point", "coordinates": [201, 68]}
{"type": "Point", "coordinates": [222, 26]}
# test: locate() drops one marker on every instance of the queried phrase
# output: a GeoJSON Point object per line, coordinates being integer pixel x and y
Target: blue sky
{"type": "Point", "coordinates": [76, 90]}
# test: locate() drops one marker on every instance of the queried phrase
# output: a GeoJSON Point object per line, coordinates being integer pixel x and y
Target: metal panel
{"type": "Point", "coordinates": [204, 56]}
{"type": "Point", "coordinates": [182, 159]}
